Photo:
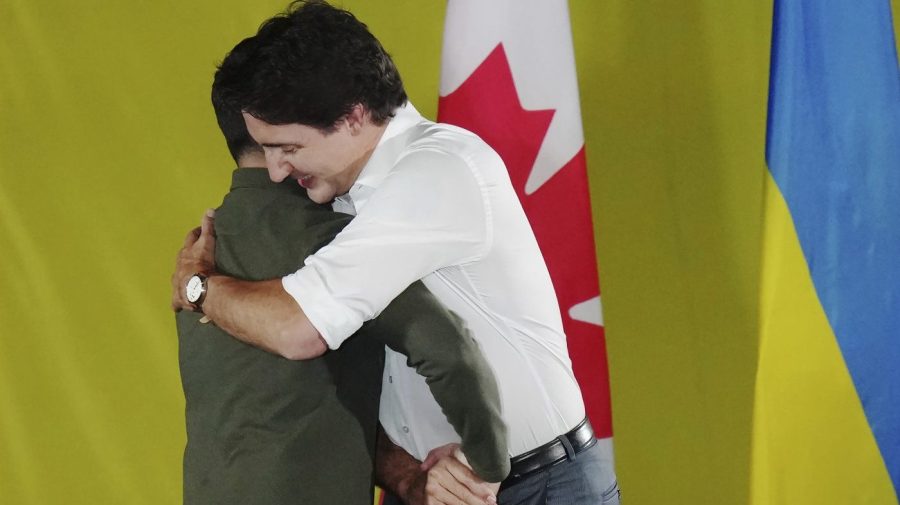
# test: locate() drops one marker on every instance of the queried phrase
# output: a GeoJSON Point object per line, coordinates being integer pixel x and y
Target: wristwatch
{"type": "Point", "coordinates": [195, 291]}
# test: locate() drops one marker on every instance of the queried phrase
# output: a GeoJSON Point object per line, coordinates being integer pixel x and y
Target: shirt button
{"type": "Point", "coordinates": [391, 379]}
{"type": "Point", "coordinates": [406, 429]}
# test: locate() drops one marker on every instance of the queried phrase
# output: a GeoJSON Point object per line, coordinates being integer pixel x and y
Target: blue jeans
{"type": "Point", "coordinates": [587, 478]}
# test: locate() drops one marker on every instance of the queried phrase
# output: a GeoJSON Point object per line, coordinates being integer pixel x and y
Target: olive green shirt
{"type": "Point", "coordinates": [264, 429]}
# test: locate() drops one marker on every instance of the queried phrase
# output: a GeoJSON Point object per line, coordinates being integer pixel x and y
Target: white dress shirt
{"type": "Point", "coordinates": [434, 202]}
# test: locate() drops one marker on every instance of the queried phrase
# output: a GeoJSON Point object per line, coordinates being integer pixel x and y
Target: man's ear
{"type": "Point", "coordinates": [357, 118]}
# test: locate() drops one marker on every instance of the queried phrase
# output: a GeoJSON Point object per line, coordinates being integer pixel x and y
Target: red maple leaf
{"type": "Point", "coordinates": [559, 211]}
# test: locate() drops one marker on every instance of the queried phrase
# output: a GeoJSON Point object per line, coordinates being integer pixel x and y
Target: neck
{"type": "Point", "coordinates": [372, 134]}
{"type": "Point", "coordinates": [251, 159]}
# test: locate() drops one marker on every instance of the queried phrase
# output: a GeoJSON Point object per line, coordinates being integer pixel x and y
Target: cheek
{"type": "Point", "coordinates": [324, 167]}
{"type": "Point", "coordinates": [296, 161]}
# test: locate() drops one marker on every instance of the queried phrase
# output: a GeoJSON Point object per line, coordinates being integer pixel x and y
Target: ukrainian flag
{"type": "Point", "coordinates": [827, 411]}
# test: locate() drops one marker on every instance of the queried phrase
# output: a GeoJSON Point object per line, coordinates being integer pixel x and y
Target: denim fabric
{"type": "Point", "coordinates": [587, 478]}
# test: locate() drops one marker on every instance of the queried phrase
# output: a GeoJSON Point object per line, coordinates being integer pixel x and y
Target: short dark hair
{"type": "Point", "coordinates": [228, 115]}
{"type": "Point", "coordinates": [312, 64]}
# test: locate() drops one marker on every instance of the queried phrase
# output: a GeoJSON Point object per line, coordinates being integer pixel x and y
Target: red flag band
{"type": "Point", "coordinates": [508, 75]}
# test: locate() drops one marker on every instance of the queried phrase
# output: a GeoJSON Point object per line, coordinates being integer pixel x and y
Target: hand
{"type": "Point", "coordinates": [197, 255]}
{"type": "Point", "coordinates": [447, 479]}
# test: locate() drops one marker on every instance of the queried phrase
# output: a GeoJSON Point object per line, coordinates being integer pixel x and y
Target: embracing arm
{"type": "Point", "coordinates": [264, 315]}
{"type": "Point", "coordinates": [440, 348]}
{"type": "Point", "coordinates": [260, 313]}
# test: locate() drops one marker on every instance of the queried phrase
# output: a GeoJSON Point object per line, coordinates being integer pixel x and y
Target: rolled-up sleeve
{"type": "Point", "coordinates": [430, 212]}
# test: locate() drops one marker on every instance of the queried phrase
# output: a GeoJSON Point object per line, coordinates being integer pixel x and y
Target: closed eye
{"type": "Point", "coordinates": [285, 148]}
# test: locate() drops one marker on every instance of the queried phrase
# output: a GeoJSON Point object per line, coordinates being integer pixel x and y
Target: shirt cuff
{"type": "Point", "coordinates": [334, 322]}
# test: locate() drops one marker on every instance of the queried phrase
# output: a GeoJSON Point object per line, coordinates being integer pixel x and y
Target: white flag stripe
{"type": "Point", "coordinates": [543, 67]}
{"type": "Point", "coordinates": [588, 311]}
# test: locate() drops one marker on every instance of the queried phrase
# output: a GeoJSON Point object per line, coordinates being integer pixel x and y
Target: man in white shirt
{"type": "Point", "coordinates": [432, 202]}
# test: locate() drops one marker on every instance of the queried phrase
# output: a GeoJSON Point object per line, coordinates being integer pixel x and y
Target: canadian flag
{"type": "Point", "coordinates": [508, 75]}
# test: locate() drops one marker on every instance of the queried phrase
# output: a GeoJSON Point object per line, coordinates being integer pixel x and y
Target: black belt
{"type": "Point", "coordinates": [578, 439]}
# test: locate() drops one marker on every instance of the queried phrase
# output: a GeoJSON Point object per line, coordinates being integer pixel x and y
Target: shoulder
{"type": "Point", "coordinates": [270, 207]}
{"type": "Point", "coordinates": [446, 153]}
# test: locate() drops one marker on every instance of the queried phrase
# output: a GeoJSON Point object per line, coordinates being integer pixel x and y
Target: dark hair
{"type": "Point", "coordinates": [312, 64]}
{"type": "Point", "coordinates": [228, 115]}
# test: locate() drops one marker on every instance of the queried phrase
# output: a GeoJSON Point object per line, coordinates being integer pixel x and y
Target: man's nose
{"type": "Point", "coordinates": [276, 165]}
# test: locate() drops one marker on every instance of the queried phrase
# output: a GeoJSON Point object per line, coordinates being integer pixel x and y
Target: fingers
{"type": "Point", "coordinates": [449, 493]}
{"type": "Point", "coordinates": [441, 496]}
{"type": "Point", "coordinates": [466, 477]}
{"type": "Point", "coordinates": [429, 462]}
{"type": "Point", "coordinates": [206, 229]}
{"type": "Point", "coordinates": [487, 490]}
{"type": "Point", "coordinates": [437, 453]}
{"type": "Point", "coordinates": [450, 479]}
{"type": "Point", "coordinates": [178, 286]}
{"type": "Point", "coordinates": [451, 482]}
{"type": "Point", "coordinates": [207, 223]}
{"type": "Point", "coordinates": [191, 237]}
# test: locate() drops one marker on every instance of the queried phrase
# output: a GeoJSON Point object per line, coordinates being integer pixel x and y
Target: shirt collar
{"type": "Point", "coordinates": [385, 155]}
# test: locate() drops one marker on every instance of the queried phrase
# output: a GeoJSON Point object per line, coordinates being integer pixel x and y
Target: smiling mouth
{"type": "Point", "coordinates": [305, 181]}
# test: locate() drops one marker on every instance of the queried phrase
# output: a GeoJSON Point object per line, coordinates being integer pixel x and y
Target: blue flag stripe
{"type": "Point", "coordinates": [833, 148]}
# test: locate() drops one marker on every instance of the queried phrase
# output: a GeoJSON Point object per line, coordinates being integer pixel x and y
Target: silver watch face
{"type": "Point", "coordinates": [194, 289]}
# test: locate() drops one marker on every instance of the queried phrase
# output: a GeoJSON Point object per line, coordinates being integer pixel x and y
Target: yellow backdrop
{"type": "Point", "coordinates": [109, 153]}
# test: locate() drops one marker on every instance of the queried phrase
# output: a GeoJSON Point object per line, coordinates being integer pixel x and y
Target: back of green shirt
{"type": "Point", "coordinates": [261, 428]}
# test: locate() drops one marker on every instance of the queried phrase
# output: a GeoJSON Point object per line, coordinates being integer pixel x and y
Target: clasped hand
{"type": "Point", "coordinates": [447, 479]}
{"type": "Point", "coordinates": [197, 255]}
